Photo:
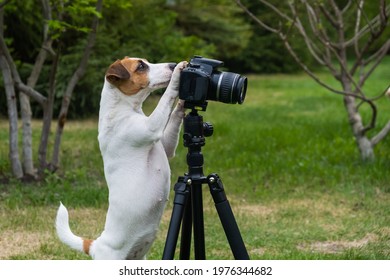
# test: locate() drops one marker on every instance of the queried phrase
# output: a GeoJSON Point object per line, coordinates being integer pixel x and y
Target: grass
{"type": "Point", "coordinates": [288, 161]}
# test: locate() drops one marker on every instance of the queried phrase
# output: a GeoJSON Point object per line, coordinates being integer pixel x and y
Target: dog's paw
{"type": "Point", "coordinates": [174, 83]}
{"type": "Point", "coordinates": [181, 65]}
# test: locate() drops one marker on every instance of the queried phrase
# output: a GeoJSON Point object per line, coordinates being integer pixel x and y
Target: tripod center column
{"type": "Point", "coordinates": [194, 140]}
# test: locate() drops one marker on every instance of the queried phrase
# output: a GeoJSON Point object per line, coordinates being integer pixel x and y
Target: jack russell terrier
{"type": "Point", "coordinates": [135, 150]}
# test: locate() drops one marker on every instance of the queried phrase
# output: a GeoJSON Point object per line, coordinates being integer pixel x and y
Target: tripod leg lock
{"type": "Point", "coordinates": [216, 188]}
{"type": "Point", "coordinates": [182, 191]}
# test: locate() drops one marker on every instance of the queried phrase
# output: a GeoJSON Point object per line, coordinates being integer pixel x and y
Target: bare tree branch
{"type": "Point", "coordinates": [340, 52]}
{"type": "Point", "coordinates": [256, 19]}
{"type": "Point", "coordinates": [337, 12]}
{"type": "Point", "coordinates": [346, 7]}
{"type": "Point", "coordinates": [313, 48]}
{"type": "Point", "coordinates": [276, 10]}
{"type": "Point", "coordinates": [360, 4]}
{"type": "Point", "coordinates": [374, 36]}
{"type": "Point", "coordinates": [324, 39]}
{"type": "Point", "coordinates": [15, 74]}
{"type": "Point", "coordinates": [328, 16]}
{"type": "Point", "coordinates": [369, 27]}
{"type": "Point", "coordinates": [383, 15]}
{"type": "Point", "coordinates": [31, 92]}
{"type": "Point", "coordinates": [385, 92]}
{"type": "Point", "coordinates": [381, 135]}
{"type": "Point", "coordinates": [377, 57]}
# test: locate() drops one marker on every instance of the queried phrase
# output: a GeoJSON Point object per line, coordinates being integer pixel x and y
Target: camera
{"type": "Point", "coordinates": [201, 81]}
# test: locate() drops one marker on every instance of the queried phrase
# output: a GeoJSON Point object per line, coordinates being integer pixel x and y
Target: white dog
{"type": "Point", "coordinates": [135, 150]}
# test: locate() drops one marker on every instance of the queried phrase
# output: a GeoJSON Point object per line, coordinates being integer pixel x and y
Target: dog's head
{"type": "Point", "coordinates": [131, 75]}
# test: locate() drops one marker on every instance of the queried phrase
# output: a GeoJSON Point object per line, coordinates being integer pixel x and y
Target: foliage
{"type": "Point", "coordinates": [124, 30]}
{"type": "Point", "coordinates": [218, 22]}
{"type": "Point", "coordinates": [137, 34]}
{"type": "Point", "coordinates": [169, 31]}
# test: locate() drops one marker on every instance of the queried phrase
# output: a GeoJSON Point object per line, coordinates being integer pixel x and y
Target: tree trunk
{"type": "Point", "coordinates": [25, 113]}
{"type": "Point", "coordinates": [71, 85]}
{"type": "Point", "coordinates": [47, 119]}
{"type": "Point", "coordinates": [365, 146]}
{"type": "Point", "coordinates": [28, 163]}
{"type": "Point", "coordinates": [13, 118]}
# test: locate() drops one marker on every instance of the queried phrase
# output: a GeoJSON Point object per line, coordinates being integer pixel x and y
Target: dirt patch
{"type": "Point", "coordinates": [17, 240]}
{"type": "Point", "coordinates": [335, 247]}
{"type": "Point", "coordinates": [254, 210]}
{"type": "Point", "coordinates": [257, 252]}
{"type": "Point", "coordinates": [14, 243]}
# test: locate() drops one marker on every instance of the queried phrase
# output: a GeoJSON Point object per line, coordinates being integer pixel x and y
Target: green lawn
{"type": "Point", "coordinates": [288, 161]}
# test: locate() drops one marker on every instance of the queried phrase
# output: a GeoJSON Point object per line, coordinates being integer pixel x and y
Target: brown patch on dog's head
{"type": "Point", "coordinates": [129, 75]}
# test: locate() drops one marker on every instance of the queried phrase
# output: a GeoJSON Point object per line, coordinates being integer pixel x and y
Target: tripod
{"type": "Point", "coordinates": [188, 204]}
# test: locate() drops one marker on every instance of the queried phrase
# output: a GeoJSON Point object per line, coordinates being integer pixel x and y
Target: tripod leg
{"type": "Point", "coordinates": [186, 229]}
{"type": "Point", "coordinates": [227, 218]}
{"type": "Point", "coordinates": [197, 213]}
{"type": "Point", "coordinates": [181, 196]}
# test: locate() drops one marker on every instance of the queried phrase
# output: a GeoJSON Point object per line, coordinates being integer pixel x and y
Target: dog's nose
{"type": "Point", "coordinates": [172, 66]}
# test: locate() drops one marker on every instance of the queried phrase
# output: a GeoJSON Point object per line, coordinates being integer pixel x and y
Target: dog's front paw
{"type": "Point", "coordinates": [181, 65]}
{"type": "Point", "coordinates": [174, 83]}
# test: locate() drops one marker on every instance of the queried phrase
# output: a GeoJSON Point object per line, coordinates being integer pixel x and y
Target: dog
{"type": "Point", "coordinates": [135, 149]}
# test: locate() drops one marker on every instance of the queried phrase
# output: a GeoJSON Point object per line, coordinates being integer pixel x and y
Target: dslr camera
{"type": "Point", "coordinates": [201, 81]}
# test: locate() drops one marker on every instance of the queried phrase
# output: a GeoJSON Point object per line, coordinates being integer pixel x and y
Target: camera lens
{"type": "Point", "coordinates": [228, 87]}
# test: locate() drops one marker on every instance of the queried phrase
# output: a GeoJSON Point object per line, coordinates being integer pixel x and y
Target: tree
{"type": "Point", "coordinates": [265, 48]}
{"type": "Point", "coordinates": [44, 49]}
{"type": "Point", "coordinates": [349, 40]}
{"type": "Point", "coordinates": [57, 18]}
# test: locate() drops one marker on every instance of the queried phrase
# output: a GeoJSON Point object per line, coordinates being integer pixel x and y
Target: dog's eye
{"type": "Point", "coordinates": [141, 66]}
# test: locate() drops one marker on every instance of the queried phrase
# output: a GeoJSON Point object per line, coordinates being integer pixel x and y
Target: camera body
{"type": "Point", "coordinates": [201, 81]}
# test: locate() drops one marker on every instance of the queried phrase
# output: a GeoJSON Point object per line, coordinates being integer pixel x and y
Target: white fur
{"type": "Point", "coordinates": [135, 150]}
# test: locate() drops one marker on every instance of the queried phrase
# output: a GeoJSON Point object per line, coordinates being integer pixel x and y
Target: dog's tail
{"type": "Point", "coordinates": [67, 236]}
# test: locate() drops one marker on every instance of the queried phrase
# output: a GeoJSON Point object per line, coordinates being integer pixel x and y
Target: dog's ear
{"type": "Point", "coordinates": [117, 73]}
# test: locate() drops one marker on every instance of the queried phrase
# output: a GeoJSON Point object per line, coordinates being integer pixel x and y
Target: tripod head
{"type": "Point", "coordinates": [195, 131]}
